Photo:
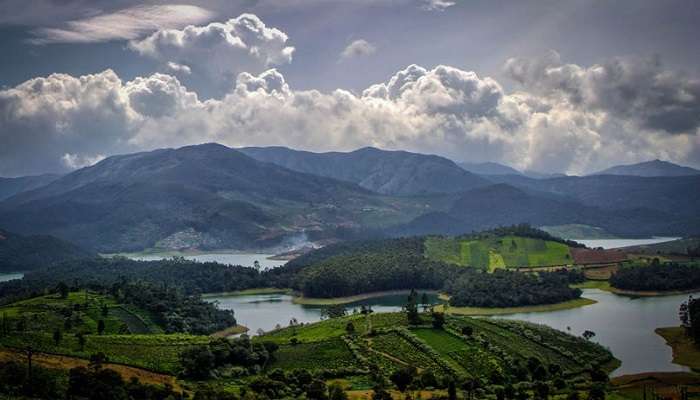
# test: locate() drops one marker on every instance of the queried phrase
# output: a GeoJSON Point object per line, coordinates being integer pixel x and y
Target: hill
{"type": "Point", "coordinates": [204, 196]}
{"type": "Point", "coordinates": [12, 186]}
{"type": "Point", "coordinates": [387, 172]}
{"type": "Point", "coordinates": [25, 253]}
{"type": "Point", "coordinates": [649, 169]}
{"type": "Point", "coordinates": [505, 204]}
{"type": "Point", "coordinates": [482, 349]}
{"type": "Point", "coordinates": [489, 168]}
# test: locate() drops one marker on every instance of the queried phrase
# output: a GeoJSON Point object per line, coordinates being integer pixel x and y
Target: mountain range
{"type": "Point", "coordinates": [213, 197]}
{"type": "Point", "coordinates": [649, 169]}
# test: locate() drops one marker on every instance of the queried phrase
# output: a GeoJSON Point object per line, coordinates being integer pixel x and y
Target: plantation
{"type": "Point", "coordinates": [490, 252]}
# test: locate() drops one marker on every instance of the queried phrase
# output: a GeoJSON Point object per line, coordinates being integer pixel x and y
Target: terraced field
{"type": "Point", "coordinates": [494, 252]}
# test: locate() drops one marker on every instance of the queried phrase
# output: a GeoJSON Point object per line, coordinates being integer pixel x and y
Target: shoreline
{"type": "Point", "coordinates": [487, 311]}
{"type": "Point", "coordinates": [231, 330]}
{"type": "Point", "coordinates": [247, 292]}
{"type": "Point", "coordinates": [605, 285]}
{"type": "Point", "coordinates": [318, 301]}
{"type": "Point", "coordinates": [685, 352]}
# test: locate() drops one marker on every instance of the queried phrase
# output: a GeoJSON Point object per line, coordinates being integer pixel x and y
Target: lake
{"type": "Point", "coordinates": [615, 243]}
{"type": "Point", "coordinates": [8, 276]}
{"type": "Point", "coordinates": [265, 311]}
{"type": "Point", "coordinates": [623, 324]}
{"type": "Point", "coordinates": [244, 259]}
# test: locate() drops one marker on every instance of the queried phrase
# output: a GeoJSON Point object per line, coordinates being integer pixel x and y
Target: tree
{"type": "Point", "coordinates": [81, 340]}
{"type": "Point", "coordinates": [62, 290]}
{"type": "Point", "coordinates": [438, 319]}
{"type": "Point", "coordinates": [57, 336]}
{"type": "Point", "coordinates": [379, 392]}
{"type": "Point", "coordinates": [403, 377]}
{"type": "Point", "coordinates": [451, 390]}
{"type": "Point", "coordinates": [425, 302]}
{"type": "Point", "coordinates": [588, 335]}
{"type": "Point", "coordinates": [333, 311]}
{"type": "Point", "coordinates": [411, 308]}
{"type": "Point", "coordinates": [350, 328]}
{"type": "Point", "coordinates": [467, 331]}
{"type": "Point", "coordinates": [317, 390]}
{"type": "Point", "coordinates": [105, 310]}
{"type": "Point", "coordinates": [596, 392]}
{"type": "Point", "coordinates": [336, 392]}
{"type": "Point", "coordinates": [197, 362]}
{"type": "Point", "coordinates": [542, 390]}
{"type": "Point", "coordinates": [100, 327]}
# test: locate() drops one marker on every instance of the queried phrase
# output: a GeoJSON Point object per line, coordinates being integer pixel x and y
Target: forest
{"type": "Point", "coordinates": [657, 276]}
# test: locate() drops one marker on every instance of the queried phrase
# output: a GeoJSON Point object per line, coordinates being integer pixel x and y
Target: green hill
{"type": "Point", "coordinates": [495, 348]}
{"type": "Point", "coordinates": [492, 252]}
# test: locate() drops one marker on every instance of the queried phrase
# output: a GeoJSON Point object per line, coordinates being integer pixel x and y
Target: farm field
{"type": "Point", "coordinates": [492, 252]}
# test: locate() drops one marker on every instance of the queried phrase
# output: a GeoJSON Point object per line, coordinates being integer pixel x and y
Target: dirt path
{"type": "Point", "coordinates": [53, 361]}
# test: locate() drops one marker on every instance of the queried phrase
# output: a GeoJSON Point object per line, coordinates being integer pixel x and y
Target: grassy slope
{"type": "Point", "coordinates": [497, 252]}
{"type": "Point", "coordinates": [144, 345]}
{"type": "Point", "coordinates": [685, 351]}
{"type": "Point", "coordinates": [386, 339]}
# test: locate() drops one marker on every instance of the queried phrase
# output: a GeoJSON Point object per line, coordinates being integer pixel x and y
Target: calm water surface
{"type": "Point", "coordinates": [8, 276]}
{"type": "Point", "coordinates": [615, 243]}
{"type": "Point", "coordinates": [244, 259]}
{"type": "Point", "coordinates": [265, 311]}
{"type": "Point", "coordinates": [623, 324]}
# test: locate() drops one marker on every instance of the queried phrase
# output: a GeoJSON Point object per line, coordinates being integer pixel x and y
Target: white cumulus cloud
{"type": "Point", "coordinates": [358, 48]}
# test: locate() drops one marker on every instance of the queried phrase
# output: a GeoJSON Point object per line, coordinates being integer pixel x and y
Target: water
{"type": "Point", "coordinates": [244, 259]}
{"type": "Point", "coordinates": [8, 276]}
{"type": "Point", "coordinates": [625, 325]}
{"type": "Point", "coordinates": [265, 311]}
{"type": "Point", "coordinates": [615, 243]}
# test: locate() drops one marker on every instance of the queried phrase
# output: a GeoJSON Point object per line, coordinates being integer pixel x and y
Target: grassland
{"type": "Point", "coordinates": [492, 252]}
{"type": "Point", "coordinates": [685, 351]}
{"type": "Point", "coordinates": [485, 311]}
{"type": "Point", "coordinates": [389, 342]}
{"type": "Point", "coordinates": [130, 336]}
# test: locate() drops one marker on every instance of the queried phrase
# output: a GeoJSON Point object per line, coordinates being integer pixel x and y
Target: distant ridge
{"type": "Point", "coordinates": [650, 169]}
{"type": "Point", "coordinates": [489, 168]}
{"type": "Point", "coordinates": [387, 172]}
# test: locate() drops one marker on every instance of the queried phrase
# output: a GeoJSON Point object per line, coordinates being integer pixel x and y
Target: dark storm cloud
{"type": "Point", "coordinates": [633, 89]}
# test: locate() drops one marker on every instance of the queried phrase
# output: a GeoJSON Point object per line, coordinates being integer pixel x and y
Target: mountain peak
{"type": "Point", "coordinates": [653, 168]}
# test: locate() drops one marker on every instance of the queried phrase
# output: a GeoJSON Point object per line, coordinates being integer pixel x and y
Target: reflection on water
{"type": "Point", "coordinates": [8, 276]}
{"type": "Point", "coordinates": [623, 324]}
{"type": "Point", "coordinates": [615, 243]}
{"type": "Point", "coordinates": [244, 259]}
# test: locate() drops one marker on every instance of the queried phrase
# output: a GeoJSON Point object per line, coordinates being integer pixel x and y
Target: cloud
{"type": "Point", "coordinates": [179, 68]}
{"type": "Point", "coordinates": [126, 24]}
{"type": "Point", "coordinates": [358, 48]}
{"type": "Point", "coordinates": [635, 90]}
{"type": "Point", "coordinates": [219, 51]}
{"type": "Point", "coordinates": [437, 5]}
{"type": "Point", "coordinates": [61, 122]}
{"type": "Point", "coordinates": [76, 161]}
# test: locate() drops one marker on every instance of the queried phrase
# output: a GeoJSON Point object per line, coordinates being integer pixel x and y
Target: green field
{"type": "Point", "coordinates": [130, 336]}
{"type": "Point", "coordinates": [492, 252]}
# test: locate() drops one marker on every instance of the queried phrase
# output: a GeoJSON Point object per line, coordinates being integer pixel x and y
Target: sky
{"type": "Point", "coordinates": [552, 86]}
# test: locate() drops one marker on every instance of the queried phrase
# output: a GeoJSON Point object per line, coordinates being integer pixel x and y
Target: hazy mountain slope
{"type": "Point", "coordinates": [24, 253]}
{"type": "Point", "coordinates": [489, 168]}
{"type": "Point", "coordinates": [673, 195]}
{"type": "Point", "coordinates": [206, 196]}
{"type": "Point", "coordinates": [12, 186]}
{"type": "Point", "coordinates": [502, 205]}
{"type": "Point", "coordinates": [387, 172]}
{"type": "Point", "coordinates": [650, 168]}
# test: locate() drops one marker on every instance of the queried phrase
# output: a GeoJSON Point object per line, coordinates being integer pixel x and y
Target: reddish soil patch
{"type": "Point", "coordinates": [600, 257]}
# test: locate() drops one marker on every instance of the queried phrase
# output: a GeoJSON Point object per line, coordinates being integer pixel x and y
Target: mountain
{"type": "Point", "coordinates": [387, 172]}
{"type": "Point", "coordinates": [649, 169]}
{"type": "Point", "coordinates": [489, 168]}
{"type": "Point", "coordinates": [11, 186]}
{"type": "Point", "coordinates": [204, 196]}
{"type": "Point", "coordinates": [24, 253]}
{"type": "Point", "coordinates": [502, 205]}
